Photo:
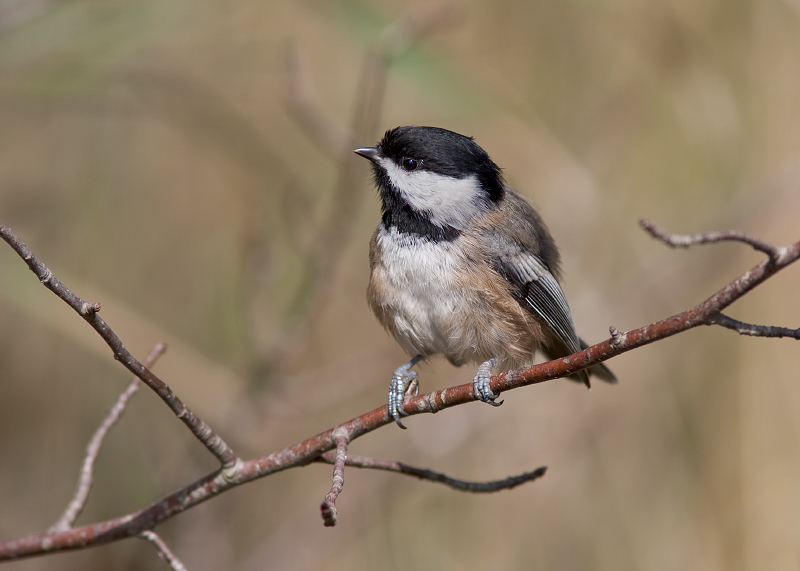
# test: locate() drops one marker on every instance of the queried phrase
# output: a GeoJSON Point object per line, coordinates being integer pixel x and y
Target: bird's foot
{"type": "Point", "coordinates": [480, 384]}
{"type": "Point", "coordinates": [404, 383]}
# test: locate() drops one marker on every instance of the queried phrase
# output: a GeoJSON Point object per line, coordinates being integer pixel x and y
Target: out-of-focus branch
{"type": "Point", "coordinates": [301, 98]}
{"type": "Point", "coordinates": [75, 507]}
{"type": "Point", "coordinates": [309, 450]}
{"type": "Point", "coordinates": [431, 476]}
{"type": "Point", "coordinates": [333, 231]}
{"type": "Point", "coordinates": [419, 22]}
{"type": "Point", "coordinates": [88, 311]}
{"type": "Point", "coordinates": [302, 102]}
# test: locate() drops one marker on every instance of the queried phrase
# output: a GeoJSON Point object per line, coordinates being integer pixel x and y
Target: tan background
{"type": "Point", "coordinates": [147, 156]}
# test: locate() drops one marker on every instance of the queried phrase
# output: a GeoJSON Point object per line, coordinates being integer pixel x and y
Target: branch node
{"type": "Point", "coordinates": [617, 338]}
{"type": "Point", "coordinates": [431, 399]}
{"type": "Point", "coordinates": [231, 470]}
{"type": "Point", "coordinates": [88, 309]}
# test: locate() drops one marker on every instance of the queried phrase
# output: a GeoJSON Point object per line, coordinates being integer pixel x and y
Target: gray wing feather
{"type": "Point", "coordinates": [539, 292]}
{"type": "Point", "coordinates": [524, 254]}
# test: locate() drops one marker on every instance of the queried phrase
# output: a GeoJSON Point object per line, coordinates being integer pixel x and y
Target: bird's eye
{"type": "Point", "coordinates": [409, 164]}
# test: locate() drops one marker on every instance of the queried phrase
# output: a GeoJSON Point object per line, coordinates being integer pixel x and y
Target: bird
{"type": "Point", "coordinates": [461, 264]}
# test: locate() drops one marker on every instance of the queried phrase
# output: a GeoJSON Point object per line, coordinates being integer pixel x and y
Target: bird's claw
{"type": "Point", "coordinates": [480, 384]}
{"type": "Point", "coordinates": [404, 383]}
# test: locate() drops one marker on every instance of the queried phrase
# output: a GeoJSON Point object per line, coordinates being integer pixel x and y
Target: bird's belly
{"type": "Point", "coordinates": [433, 302]}
{"type": "Point", "coordinates": [419, 302]}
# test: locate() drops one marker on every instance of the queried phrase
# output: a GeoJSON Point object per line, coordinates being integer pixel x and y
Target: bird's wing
{"type": "Point", "coordinates": [535, 288]}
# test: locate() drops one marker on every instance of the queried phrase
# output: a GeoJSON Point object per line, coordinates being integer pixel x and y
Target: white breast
{"type": "Point", "coordinates": [435, 299]}
{"type": "Point", "coordinates": [419, 289]}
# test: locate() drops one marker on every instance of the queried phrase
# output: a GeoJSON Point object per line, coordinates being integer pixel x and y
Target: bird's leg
{"type": "Point", "coordinates": [480, 384]}
{"type": "Point", "coordinates": [403, 383]}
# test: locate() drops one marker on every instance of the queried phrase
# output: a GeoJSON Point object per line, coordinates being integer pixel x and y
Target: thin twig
{"type": "Point", "coordinates": [163, 550]}
{"type": "Point", "coordinates": [775, 256]}
{"type": "Point", "coordinates": [75, 507]}
{"type": "Point", "coordinates": [308, 450]}
{"type": "Point", "coordinates": [686, 240]}
{"type": "Point", "coordinates": [754, 330]}
{"type": "Point", "coordinates": [328, 507]}
{"type": "Point", "coordinates": [431, 476]}
{"type": "Point", "coordinates": [88, 311]}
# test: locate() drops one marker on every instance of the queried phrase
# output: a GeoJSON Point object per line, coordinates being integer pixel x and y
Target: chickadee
{"type": "Point", "coordinates": [461, 264]}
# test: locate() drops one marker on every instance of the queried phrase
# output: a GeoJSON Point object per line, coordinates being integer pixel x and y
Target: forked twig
{"type": "Point", "coordinates": [88, 311]}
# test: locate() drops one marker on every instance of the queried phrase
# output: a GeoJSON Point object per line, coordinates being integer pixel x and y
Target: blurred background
{"type": "Point", "coordinates": [189, 165]}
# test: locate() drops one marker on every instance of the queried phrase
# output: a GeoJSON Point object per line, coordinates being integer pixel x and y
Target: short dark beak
{"type": "Point", "coordinates": [370, 153]}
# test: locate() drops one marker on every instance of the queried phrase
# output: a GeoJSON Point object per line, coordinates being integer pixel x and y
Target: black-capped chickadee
{"type": "Point", "coordinates": [461, 264]}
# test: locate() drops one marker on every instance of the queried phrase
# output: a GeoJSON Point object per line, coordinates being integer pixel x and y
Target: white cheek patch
{"type": "Point", "coordinates": [446, 200]}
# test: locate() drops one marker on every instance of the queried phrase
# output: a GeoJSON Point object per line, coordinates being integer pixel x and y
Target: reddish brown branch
{"type": "Point", "coordinates": [78, 502]}
{"type": "Point", "coordinates": [328, 507]}
{"type": "Point", "coordinates": [88, 311]}
{"type": "Point", "coordinates": [307, 451]}
{"type": "Point", "coordinates": [431, 476]}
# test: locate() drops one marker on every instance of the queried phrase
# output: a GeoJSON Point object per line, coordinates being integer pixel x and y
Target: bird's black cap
{"type": "Point", "coordinates": [443, 152]}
